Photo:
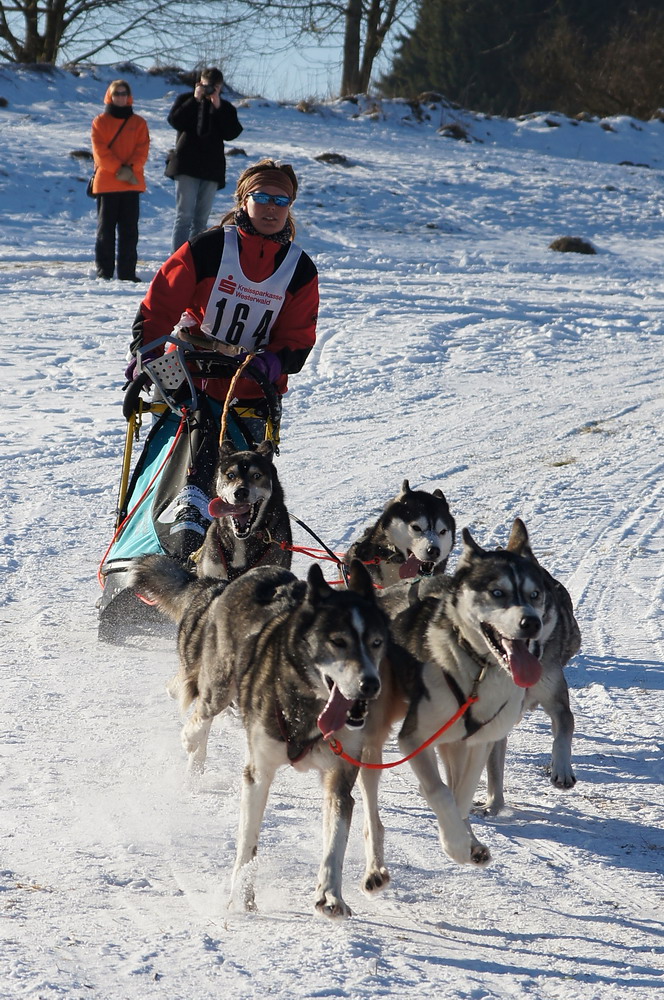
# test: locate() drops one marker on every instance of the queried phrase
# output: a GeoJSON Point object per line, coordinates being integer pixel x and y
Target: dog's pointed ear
{"type": "Point", "coordinates": [359, 580]}
{"type": "Point", "coordinates": [470, 546]}
{"type": "Point", "coordinates": [519, 541]}
{"type": "Point", "coordinates": [317, 586]}
{"type": "Point", "coordinates": [439, 494]}
{"type": "Point", "coordinates": [226, 448]}
{"type": "Point", "coordinates": [266, 449]}
{"type": "Point", "coordinates": [405, 489]}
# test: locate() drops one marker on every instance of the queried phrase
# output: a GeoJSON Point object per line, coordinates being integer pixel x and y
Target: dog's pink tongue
{"type": "Point", "coordinates": [333, 716]}
{"type": "Point", "coordinates": [221, 508]}
{"type": "Point", "coordinates": [410, 568]}
{"type": "Point", "coordinates": [526, 668]}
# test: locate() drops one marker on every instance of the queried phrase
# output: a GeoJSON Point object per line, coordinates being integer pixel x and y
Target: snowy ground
{"type": "Point", "coordinates": [456, 350]}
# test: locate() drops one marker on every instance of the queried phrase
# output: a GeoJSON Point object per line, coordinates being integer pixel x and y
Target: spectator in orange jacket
{"type": "Point", "coordinates": [120, 144]}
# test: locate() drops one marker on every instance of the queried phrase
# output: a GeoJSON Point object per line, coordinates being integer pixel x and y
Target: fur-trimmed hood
{"type": "Point", "coordinates": [111, 87]}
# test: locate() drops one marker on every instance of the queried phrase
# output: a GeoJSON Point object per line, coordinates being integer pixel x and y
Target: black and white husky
{"type": "Point", "coordinates": [250, 525]}
{"type": "Point", "coordinates": [412, 537]}
{"type": "Point", "coordinates": [473, 638]}
{"type": "Point", "coordinates": [559, 642]}
{"type": "Point", "coordinates": [300, 659]}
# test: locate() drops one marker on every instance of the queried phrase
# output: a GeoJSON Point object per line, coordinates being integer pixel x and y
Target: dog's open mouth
{"type": "Point", "coordinates": [413, 567]}
{"type": "Point", "coordinates": [358, 714]}
{"type": "Point", "coordinates": [243, 516]}
{"type": "Point", "coordinates": [525, 668]}
{"type": "Point", "coordinates": [340, 711]}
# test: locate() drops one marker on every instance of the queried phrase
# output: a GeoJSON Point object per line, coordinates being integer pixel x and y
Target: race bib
{"type": "Point", "coordinates": [241, 313]}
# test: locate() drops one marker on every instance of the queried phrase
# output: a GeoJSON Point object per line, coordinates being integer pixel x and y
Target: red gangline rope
{"type": "Point", "coordinates": [336, 747]}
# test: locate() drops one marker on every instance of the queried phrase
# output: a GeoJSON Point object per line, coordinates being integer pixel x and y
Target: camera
{"type": "Point", "coordinates": [208, 88]}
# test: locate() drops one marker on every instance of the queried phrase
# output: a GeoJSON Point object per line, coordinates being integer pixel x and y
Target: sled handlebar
{"type": "Point", "coordinates": [211, 365]}
{"type": "Point", "coordinates": [208, 364]}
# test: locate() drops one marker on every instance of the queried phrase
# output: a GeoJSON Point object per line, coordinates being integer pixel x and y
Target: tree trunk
{"type": "Point", "coordinates": [31, 46]}
{"type": "Point", "coordinates": [35, 47]}
{"type": "Point", "coordinates": [350, 74]}
{"type": "Point", "coordinates": [378, 20]}
{"type": "Point", "coordinates": [372, 44]}
{"type": "Point", "coordinates": [53, 30]}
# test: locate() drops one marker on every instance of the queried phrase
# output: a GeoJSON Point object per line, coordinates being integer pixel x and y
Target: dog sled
{"type": "Point", "coordinates": [163, 501]}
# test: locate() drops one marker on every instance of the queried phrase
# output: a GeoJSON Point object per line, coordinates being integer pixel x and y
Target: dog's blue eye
{"type": "Point", "coordinates": [230, 475]}
{"type": "Point", "coordinates": [256, 475]}
{"type": "Point", "coordinates": [377, 643]}
{"type": "Point", "coordinates": [535, 594]}
{"type": "Point", "coordinates": [497, 592]}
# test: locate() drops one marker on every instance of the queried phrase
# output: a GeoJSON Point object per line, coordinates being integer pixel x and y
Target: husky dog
{"type": "Point", "coordinates": [301, 661]}
{"type": "Point", "coordinates": [472, 640]}
{"type": "Point", "coordinates": [559, 642]}
{"type": "Point", "coordinates": [412, 537]}
{"type": "Point", "coordinates": [250, 517]}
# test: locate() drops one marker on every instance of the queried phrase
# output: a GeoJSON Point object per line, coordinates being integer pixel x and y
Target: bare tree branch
{"type": "Point", "coordinates": [42, 31]}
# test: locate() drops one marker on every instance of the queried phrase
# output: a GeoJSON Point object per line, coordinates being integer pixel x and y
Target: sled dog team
{"type": "Point", "coordinates": [320, 674]}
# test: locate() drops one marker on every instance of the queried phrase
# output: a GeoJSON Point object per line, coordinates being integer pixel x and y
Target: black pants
{"type": "Point", "coordinates": [117, 210]}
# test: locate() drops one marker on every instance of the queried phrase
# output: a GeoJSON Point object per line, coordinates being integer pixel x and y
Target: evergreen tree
{"type": "Point", "coordinates": [513, 56]}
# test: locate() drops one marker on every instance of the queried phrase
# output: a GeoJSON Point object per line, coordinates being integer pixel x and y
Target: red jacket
{"type": "Point", "coordinates": [131, 147]}
{"type": "Point", "coordinates": [186, 281]}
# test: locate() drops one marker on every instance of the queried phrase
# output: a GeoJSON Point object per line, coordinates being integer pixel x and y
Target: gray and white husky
{"type": "Point", "coordinates": [412, 537]}
{"type": "Point", "coordinates": [473, 639]}
{"type": "Point", "coordinates": [300, 660]}
{"type": "Point", "coordinates": [250, 525]}
{"type": "Point", "coordinates": [559, 642]}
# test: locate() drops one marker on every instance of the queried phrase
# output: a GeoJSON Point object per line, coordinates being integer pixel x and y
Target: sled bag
{"type": "Point", "coordinates": [173, 516]}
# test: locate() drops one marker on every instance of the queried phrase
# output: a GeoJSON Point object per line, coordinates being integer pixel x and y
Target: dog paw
{"type": "Point", "coordinates": [480, 854]}
{"type": "Point", "coordinates": [567, 779]}
{"type": "Point", "coordinates": [243, 896]}
{"type": "Point", "coordinates": [467, 850]}
{"type": "Point", "coordinates": [375, 881]}
{"type": "Point", "coordinates": [195, 766]}
{"type": "Point", "coordinates": [245, 905]}
{"type": "Point", "coordinates": [329, 905]}
{"type": "Point", "coordinates": [490, 808]}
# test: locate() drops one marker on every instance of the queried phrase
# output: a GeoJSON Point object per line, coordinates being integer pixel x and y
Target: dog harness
{"type": "Point", "coordinates": [472, 725]}
{"type": "Point", "coordinates": [240, 312]}
{"type": "Point", "coordinates": [294, 751]}
{"type": "Point", "coordinates": [231, 572]}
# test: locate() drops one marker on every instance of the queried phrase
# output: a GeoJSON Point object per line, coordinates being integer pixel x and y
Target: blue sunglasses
{"type": "Point", "coordinates": [262, 198]}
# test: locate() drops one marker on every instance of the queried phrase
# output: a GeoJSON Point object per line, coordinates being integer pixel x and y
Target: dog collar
{"type": "Point", "coordinates": [485, 663]}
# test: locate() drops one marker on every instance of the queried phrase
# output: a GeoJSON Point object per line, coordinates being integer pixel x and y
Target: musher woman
{"type": "Point", "coordinates": [241, 287]}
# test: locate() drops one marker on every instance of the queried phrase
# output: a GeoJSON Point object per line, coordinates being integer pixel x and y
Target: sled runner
{"type": "Point", "coordinates": [163, 504]}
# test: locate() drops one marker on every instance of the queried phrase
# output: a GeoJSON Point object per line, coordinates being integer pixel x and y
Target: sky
{"type": "Point", "coordinates": [455, 349]}
{"type": "Point", "coordinates": [284, 71]}
{"type": "Point", "coordinates": [292, 74]}
{"type": "Point", "coordinates": [256, 59]}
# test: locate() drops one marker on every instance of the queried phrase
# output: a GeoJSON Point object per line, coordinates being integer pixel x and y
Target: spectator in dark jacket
{"type": "Point", "coordinates": [203, 120]}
